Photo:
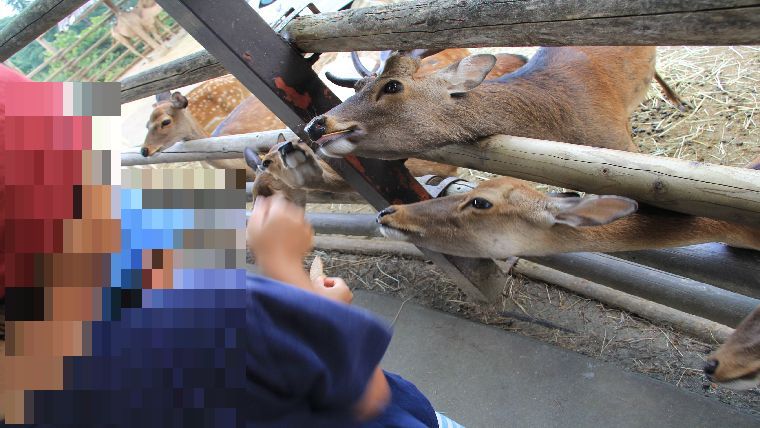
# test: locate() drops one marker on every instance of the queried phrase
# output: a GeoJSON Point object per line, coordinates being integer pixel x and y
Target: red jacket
{"type": "Point", "coordinates": [7, 75]}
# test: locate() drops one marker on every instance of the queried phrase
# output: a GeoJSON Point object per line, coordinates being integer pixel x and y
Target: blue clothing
{"type": "Point", "coordinates": [309, 360]}
{"type": "Point", "coordinates": [269, 355]}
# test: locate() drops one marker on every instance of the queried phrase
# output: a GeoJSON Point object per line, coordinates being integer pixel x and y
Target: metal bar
{"type": "Point", "coordinates": [32, 22]}
{"type": "Point", "coordinates": [283, 80]}
{"type": "Point", "coordinates": [677, 292]}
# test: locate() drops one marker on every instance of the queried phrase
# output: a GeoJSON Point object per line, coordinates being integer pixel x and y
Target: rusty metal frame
{"type": "Point", "coordinates": [284, 81]}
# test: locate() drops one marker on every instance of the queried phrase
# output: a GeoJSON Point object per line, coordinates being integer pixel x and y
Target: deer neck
{"type": "Point", "coordinates": [642, 231]}
{"type": "Point", "coordinates": [195, 130]}
{"type": "Point", "coordinates": [520, 107]}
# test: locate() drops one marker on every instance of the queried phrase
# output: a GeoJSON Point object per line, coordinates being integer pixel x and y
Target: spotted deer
{"type": "Point", "coordinates": [736, 364]}
{"type": "Point", "coordinates": [507, 217]}
{"type": "Point", "coordinates": [176, 118]}
{"type": "Point", "coordinates": [580, 95]}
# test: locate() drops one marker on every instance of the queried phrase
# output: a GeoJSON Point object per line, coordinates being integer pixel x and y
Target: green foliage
{"type": "Point", "coordinates": [99, 61]}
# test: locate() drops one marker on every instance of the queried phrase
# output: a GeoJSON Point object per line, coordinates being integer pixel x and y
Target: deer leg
{"type": "Point", "coordinates": [141, 33]}
{"type": "Point", "coordinates": [670, 94]}
{"type": "Point", "coordinates": [126, 42]}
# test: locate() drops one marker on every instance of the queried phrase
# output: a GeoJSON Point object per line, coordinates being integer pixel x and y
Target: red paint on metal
{"type": "Point", "coordinates": [302, 101]}
{"type": "Point", "coordinates": [357, 164]}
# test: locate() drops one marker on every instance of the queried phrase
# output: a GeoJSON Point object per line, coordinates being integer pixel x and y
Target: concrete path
{"type": "Point", "coordinates": [482, 376]}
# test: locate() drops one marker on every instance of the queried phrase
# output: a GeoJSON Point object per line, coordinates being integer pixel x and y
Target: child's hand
{"type": "Point", "coordinates": [333, 288]}
{"type": "Point", "coordinates": [279, 236]}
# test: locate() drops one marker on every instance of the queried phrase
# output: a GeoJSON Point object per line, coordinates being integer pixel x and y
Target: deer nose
{"type": "Point", "coordinates": [316, 128]}
{"type": "Point", "coordinates": [385, 212]}
{"type": "Point", "coordinates": [144, 152]}
{"type": "Point", "coordinates": [710, 367]}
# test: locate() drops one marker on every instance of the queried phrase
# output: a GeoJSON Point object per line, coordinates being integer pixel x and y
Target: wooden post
{"type": "Point", "coordinates": [32, 22]}
{"type": "Point", "coordinates": [721, 192]}
{"type": "Point", "coordinates": [480, 23]}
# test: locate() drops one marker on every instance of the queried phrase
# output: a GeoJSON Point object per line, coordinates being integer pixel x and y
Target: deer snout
{"type": "Point", "coordinates": [710, 367]}
{"type": "Point", "coordinates": [145, 152]}
{"type": "Point", "coordinates": [316, 128]}
{"type": "Point", "coordinates": [385, 212]}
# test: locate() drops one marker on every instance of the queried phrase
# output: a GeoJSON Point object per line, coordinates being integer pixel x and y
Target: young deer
{"type": "Point", "coordinates": [507, 217]}
{"type": "Point", "coordinates": [291, 168]}
{"type": "Point", "coordinates": [580, 95]}
{"type": "Point", "coordinates": [171, 122]}
{"type": "Point", "coordinates": [736, 364]}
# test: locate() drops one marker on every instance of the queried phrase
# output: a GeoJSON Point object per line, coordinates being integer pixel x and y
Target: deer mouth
{"type": "Point", "coordinates": [339, 143]}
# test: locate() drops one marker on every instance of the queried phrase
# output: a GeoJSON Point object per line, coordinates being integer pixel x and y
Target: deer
{"type": "Point", "coordinates": [579, 95]}
{"type": "Point", "coordinates": [736, 363]}
{"type": "Point", "coordinates": [178, 118]}
{"type": "Point", "coordinates": [291, 166]}
{"type": "Point", "coordinates": [506, 217]}
{"type": "Point", "coordinates": [148, 10]}
{"type": "Point", "coordinates": [130, 24]}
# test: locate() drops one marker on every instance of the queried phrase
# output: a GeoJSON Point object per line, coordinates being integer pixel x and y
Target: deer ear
{"type": "Point", "coordinates": [281, 138]}
{"type": "Point", "coordinates": [591, 210]}
{"type": "Point", "coordinates": [179, 101]}
{"type": "Point", "coordinates": [468, 73]}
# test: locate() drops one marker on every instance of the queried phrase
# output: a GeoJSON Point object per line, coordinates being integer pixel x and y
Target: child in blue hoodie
{"type": "Point", "coordinates": [313, 360]}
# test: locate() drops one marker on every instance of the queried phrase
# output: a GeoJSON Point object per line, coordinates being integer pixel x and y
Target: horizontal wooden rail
{"type": "Point", "coordinates": [226, 147]}
{"type": "Point", "coordinates": [32, 22]}
{"type": "Point", "coordinates": [480, 23]}
{"type": "Point", "coordinates": [194, 68]}
{"type": "Point", "coordinates": [721, 192]}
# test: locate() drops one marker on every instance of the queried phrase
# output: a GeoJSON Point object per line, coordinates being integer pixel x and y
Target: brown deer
{"type": "Point", "coordinates": [581, 95]}
{"type": "Point", "coordinates": [736, 364]}
{"type": "Point", "coordinates": [148, 10]}
{"type": "Point", "coordinates": [507, 217]}
{"type": "Point", "coordinates": [177, 118]}
{"type": "Point", "coordinates": [289, 167]}
{"type": "Point", "coordinates": [130, 24]}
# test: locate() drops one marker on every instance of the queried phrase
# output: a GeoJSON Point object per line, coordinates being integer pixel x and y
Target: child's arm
{"type": "Point", "coordinates": [280, 237]}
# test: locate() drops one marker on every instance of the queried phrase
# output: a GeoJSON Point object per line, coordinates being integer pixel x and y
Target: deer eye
{"type": "Point", "coordinates": [393, 87]}
{"type": "Point", "coordinates": [166, 122]}
{"type": "Point", "coordinates": [266, 163]}
{"type": "Point", "coordinates": [480, 204]}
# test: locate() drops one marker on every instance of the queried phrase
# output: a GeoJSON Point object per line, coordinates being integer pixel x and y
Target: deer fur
{"type": "Point", "coordinates": [736, 364]}
{"type": "Point", "coordinates": [522, 221]}
{"type": "Point", "coordinates": [580, 95]}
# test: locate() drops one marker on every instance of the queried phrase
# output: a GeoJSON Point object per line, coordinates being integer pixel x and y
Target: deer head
{"type": "Point", "coordinates": [399, 105]}
{"type": "Point", "coordinates": [169, 123]}
{"type": "Point", "coordinates": [736, 364]}
{"type": "Point", "coordinates": [500, 218]}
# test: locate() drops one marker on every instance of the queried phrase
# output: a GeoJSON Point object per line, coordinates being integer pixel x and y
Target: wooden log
{"type": "Point", "coordinates": [706, 330]}
{"type": "Point", "coordinates": [319, 197]}
{"type": "Point", "coordinates": [194, 68]}
{"type": "Point", "coordinates": [721, 192]}
{"type": "Point", "coordinates": [665, 288]}
{"type": "Point", "coordinates": [225, 147]}
{"type": "Point", "coordinates": [32, 22]}
{"type": "Point", "coordinates": [480, 23]}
